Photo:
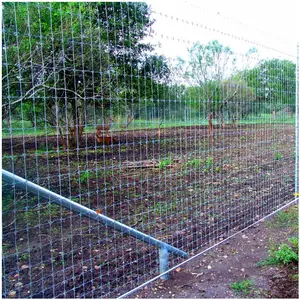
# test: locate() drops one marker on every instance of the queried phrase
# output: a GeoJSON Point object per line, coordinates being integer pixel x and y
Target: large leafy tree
{"type": "Point", "coordinates": [274, 82]}
{"type": "Point", "coordinates": [214, 84]}
{"type": "Point", "coordinates": [206, 71]}
{"type": "Point", "coordinates": [64, 59]}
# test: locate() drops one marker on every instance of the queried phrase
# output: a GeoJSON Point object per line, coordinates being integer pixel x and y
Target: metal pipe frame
{"type": "Point", "coordinates": [29, 186]}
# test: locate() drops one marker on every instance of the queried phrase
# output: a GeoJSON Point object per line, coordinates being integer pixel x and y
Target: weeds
{"type": "Point", "coordinates": [24, 256]}
{"type": "Point", "coordinates": [209, 162]}
{"type": "Point", "coordinates": [85, 176]}
{"type": "Point", "coordinates": [163, 207]}
{"type": "Point", "coordinates": [294, 242]}
{"type": "Point", "coordinates": [218, 169]}
{"type": "Point", "coordinates": [283, 255]}
{"type": "Point", "coordinates": [5, 248]}
{"type": "Point", "coordinates": [244, 286]}
{"type": "Point", "coordinates": [164, 163]}
{"type": "Point", "coordinates": [278, 156]}
{"type": "Point", "coordinates": [197, 162]}
{"type": "Point", "coordinates": [287, 218]}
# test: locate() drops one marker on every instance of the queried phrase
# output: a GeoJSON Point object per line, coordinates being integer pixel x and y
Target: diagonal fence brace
{"type": "Point", "coordinates": [164, 248]}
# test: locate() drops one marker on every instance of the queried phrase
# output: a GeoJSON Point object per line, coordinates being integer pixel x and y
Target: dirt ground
{"type": "Point", "coordinates": [178, 187]}
{"type": "Point", "coordinates": [212, 274]}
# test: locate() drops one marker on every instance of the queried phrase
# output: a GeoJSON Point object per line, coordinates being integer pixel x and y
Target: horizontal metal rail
{"type": "Point", "coordinates": [73, 206]}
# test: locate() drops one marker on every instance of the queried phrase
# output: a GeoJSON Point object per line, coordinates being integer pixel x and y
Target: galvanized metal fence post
{"type": "Point", "coordinates": [164, 262]}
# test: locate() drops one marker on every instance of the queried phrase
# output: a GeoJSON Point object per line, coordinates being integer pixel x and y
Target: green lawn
{"type": "Point", "coordinates": [24, 128]}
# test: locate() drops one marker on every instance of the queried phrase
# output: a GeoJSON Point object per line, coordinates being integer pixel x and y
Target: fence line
{"type": "Point", "coordinates": [171, 120]}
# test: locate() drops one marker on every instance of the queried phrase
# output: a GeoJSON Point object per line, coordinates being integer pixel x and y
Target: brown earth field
{"type": "Point", "coordinates": [179, 187]}
{"type": "Point", "coordinates": [212, 274]}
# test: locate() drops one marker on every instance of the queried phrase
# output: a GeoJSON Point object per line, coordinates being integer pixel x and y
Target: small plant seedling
{"type": "Point", "coordinates": [164, 163]}
{"type": "Point", "coordinates": [24, 256]}
{"type": "Point", "coordinates": [243, 138]}
{"type": "Point", "coordinates": [209, 162]}
{"type": "Point", "coordinates": [84, 177]}
{"type": "Point", "coordinates": [294, 242]}
{"type": "Point", "coordinates": [244, 286]}
{"type": "Point", "coordinates": [278, 156]}
{"type": "Point", "coordinates": [195, 163]}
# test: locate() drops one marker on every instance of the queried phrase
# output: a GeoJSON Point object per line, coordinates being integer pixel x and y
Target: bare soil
{"type": "Point", "coordinates": [211, 275]}
{"type": "Point", "coordinates": [181, 188]}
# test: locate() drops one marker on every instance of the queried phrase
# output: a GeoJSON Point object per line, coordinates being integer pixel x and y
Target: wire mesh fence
{"type": "Point", "coordinates": [179, 126]}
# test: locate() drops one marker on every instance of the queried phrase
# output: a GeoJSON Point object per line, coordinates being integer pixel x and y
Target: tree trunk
{"type": "Point", "coordinates": [75, 135]}
{"type": "Point", "coordinates": [210, 126]}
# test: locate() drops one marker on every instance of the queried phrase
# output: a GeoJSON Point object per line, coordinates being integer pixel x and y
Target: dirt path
{"type": "Point", "coordinates": [212, 274]}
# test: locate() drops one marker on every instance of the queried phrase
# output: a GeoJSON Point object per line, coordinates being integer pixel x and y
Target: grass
{"type": "Point", "coordinates": [285, 218]}
{"type": "Point", "coordinates": [244, 286]}
{"type": "Point", "coordinates": [285, 253]}
{"type": "Point", "coordinates": [24, 128]}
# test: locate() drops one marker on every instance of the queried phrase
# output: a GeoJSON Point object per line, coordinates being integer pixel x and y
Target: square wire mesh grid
{"type": "Point", "coordinates": [177, 123]}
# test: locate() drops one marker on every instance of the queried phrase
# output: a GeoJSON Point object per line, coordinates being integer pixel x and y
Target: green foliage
{"type": "Point", "coordinates": [24, 256]}
{"type": "Point", "coordinates": [278, 156]}
{"type": "Point", "coordinates": [218, 169]}
{"type": "Point", "coordinates": [209, 162]}
{"type": "Point", "coordinates": [196, 163]}
{"type": "Point", "coordinates": [85, 176]}
{"type": "Point", "coordinates": [295, 243]}
{"type": "Point", "coordinates": [7, 198]}
{"type": "Point", "coordinates": [284, 254]}
{"type": "Point", "coordinates": [244, 286]}
{"type": "Point", "coordinates": [286, 218]}
{"type": "Point", "coordinates": [274, 82]}
{"type": "Point", "coordinates": [219, 94]}
{"type": "Point", "coordinates": [105, 36]}
{"type": "Point", "coordinates": [163, 207]}
{"type": "Point", "coordinates": [164, 163]}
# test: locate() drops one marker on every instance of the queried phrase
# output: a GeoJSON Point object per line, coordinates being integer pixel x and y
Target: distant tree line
{"type": "Point", "coordinates": [69, 65]}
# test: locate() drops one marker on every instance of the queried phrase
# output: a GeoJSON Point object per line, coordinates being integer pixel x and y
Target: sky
{"type": "Point", "coordinates": [269, 26]}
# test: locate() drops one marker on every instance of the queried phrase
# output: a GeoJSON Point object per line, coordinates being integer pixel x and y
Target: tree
{"type": "Point", "coordinates": [68, 58]}
{"type": "Point", "coordinates": [207, 67]}
{"type": "Point", "coordinates": [241, 100]}
{"type": "Point", "coordinates": [274, 82]}
{"type": "Point", "coordinates": [211, 73]}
